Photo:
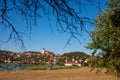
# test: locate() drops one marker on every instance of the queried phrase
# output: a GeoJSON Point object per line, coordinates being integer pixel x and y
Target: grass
{"type": "Point", "coordinates": [58, 74]}
{"type": "Point", "coordinates": [44, 67]}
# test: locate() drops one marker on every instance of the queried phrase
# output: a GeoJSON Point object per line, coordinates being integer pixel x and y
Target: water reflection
{"type": "Point", "coordinates": [12, 67]}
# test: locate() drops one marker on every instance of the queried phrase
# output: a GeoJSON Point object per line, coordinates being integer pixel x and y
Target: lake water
{"type": "Point", "coordinates": [12, 67]}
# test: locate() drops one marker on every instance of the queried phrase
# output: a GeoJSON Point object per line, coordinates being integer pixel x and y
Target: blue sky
{"type": "Point", "coordinates": [45, 35]}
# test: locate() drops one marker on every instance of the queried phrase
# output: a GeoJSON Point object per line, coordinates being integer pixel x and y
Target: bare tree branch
{"type": "Point", "coordinates": [67, 12]}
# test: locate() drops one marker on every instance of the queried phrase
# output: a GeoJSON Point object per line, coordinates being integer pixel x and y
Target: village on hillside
{"type": "Point", "coordinates": [45, 57]}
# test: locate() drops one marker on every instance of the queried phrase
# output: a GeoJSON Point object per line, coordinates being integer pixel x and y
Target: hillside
{"type": "Point", "coordinates": [76, 55]}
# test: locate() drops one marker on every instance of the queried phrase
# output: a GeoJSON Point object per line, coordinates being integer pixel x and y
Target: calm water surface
{"type": "Point", "coordinates": [12, 67]}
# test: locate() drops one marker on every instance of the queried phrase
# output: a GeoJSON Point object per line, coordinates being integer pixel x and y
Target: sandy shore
{"type": "Point", "coordinates": [63, 74]}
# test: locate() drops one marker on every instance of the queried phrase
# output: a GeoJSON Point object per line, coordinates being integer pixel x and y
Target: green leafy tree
{"type": "Point", "coordinates": [106, 39]}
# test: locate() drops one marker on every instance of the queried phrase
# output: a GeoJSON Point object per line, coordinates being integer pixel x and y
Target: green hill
{"type": "Point", "coordinates": [76, 55]}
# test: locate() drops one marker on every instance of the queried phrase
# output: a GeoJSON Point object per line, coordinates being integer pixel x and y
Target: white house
{"type": "Point", "coordinates": [68, 64]}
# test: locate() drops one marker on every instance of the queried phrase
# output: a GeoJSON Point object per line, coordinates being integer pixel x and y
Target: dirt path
{"type": "Point", "coordinates": [64, 74]}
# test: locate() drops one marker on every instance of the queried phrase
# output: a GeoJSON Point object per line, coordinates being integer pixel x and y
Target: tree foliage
{"type": "Point", "coordinates": [106, 39]}
{"type": "Point", "coordinates": [69, 15]}
{"type": "Point", "coordinates": [76, 55]}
